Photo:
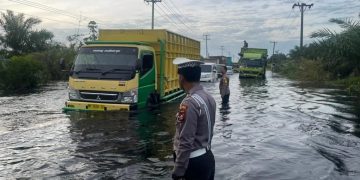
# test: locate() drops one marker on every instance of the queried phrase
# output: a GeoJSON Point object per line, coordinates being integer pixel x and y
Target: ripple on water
{"type": "Point", "coordinates": [272, 129]}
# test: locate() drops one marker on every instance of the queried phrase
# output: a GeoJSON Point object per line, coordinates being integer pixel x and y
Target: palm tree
{"type": "Point", "coordinates": [19, 36]}
{"type": "Point", "coordinates": [340, 49]}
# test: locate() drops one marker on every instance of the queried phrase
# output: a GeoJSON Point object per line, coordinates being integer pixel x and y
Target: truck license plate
{"type": "Point", "coordinates": [96, 107]}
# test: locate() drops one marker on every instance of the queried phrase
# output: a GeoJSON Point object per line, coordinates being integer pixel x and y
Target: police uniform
{"type": "Point", "coordinates": [224, 89]}
{"type": "Point", "coordinates": [194, 130]}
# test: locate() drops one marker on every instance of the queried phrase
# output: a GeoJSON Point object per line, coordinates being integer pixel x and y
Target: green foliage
{"type": "Point", "coordinates": [75, 40]}
{"type": "Point", "coordinates": [305, 70]}
{"type": "Point", "coordinates": [93, 34]}
{"type": "Point", "coordinates": [34, 58]}
{"type": "Point", "coordinates": [50, 60]}
{"type": "Point", "coordinates": [277, 58]}
{"type": "Point", "coordinates": [21, 74]}
{"type": "Point", "coordinates": [20, 37]}
{"type": "Point", "coordinates": [339, 53]}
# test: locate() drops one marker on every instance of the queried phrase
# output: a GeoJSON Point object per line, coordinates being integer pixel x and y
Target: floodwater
{"type": "Point", "coordinates": [272, 129]}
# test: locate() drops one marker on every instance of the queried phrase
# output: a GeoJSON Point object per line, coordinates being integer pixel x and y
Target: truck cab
{"type": "Point", "coordinates": [252, 63]}
{"type": "Point", "coordinates": [108, 77]}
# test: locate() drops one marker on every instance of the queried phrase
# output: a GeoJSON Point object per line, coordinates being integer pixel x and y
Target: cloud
{"type": "Point", "coordinates": [228, 22]}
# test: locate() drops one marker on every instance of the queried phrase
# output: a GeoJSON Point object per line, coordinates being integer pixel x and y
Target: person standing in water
{"type": "Point", "coordinates": [224, 86]}
{"type": "Point", "coordinates": [195, 121]}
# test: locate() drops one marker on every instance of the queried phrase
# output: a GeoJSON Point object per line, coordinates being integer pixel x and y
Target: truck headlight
{"type": "Point", "coordinates": [73, 94]}
{"type": "Point", "coordinates": [130, 96]}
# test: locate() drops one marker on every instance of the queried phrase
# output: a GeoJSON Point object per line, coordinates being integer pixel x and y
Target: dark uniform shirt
{"type": "Point", "coordinates": [192, 126]}
{"type": "Point", "coordinates": [224, 86]}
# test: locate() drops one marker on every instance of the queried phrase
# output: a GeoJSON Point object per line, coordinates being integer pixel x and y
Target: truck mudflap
{"type": "Point", "coordinates": [90, 106]}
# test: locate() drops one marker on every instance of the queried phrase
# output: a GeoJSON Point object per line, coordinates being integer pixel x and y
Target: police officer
{"type": "Point", "coordinates": [224, 86]}
{"type": "Point", "coordinates": [194, 126]}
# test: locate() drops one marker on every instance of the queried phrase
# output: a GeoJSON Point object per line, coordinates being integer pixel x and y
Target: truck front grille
{"type": "Point", "coordinates": [99, 96]}
{"type": "Point", "coordinates": [249, 72]}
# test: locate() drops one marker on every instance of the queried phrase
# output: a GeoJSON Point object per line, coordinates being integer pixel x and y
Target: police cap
{"type": "Point", "coordinates": [184, 63]}
{"type": "Point", "coordinates": [189, 69]}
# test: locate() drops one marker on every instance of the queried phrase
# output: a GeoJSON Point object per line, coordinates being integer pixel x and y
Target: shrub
{"type": "Point", "coordinates": [21, 74]}
{"type": "Point", "coordinates": [305, 70]}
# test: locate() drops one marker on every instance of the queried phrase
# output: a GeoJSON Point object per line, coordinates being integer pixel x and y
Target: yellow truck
{"type": "Point", "coordinates": [128, 69]}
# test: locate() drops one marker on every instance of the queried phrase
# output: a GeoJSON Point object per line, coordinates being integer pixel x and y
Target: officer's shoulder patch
{"type": "Point", "coordinates": [182, 112]}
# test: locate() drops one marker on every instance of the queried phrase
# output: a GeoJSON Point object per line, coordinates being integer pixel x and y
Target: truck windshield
{"type": "Point", "coordinates": [206, 68]}
{"type": "Point", "coordinates": [106, 63]}
{"type": "Point", "coordinates": [254, 63]}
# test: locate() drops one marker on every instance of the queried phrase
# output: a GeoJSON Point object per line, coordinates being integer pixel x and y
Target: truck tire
{"type": "Point", "coordinates": [153, 100]}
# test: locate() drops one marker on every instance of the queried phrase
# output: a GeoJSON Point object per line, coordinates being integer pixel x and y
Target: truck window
{"type": "Point", "coordinates": [106, 62]}
{"type": "Point", "coordinates": [147, 63]}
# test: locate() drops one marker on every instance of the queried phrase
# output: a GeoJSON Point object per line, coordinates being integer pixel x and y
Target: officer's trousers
{"type": "Point", "coordinates": [225, 99]}
{"type": "Point", "coordinates": [201, 167]}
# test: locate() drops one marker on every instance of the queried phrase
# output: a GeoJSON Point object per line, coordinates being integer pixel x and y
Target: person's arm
{"type": "Point", "coordinates": [186, 139]}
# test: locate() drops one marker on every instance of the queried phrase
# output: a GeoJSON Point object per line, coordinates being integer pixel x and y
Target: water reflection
{"type": "Point", "coordinates": [225, 125]}
{"type": "Point", "coordinates": [249, 82]}
{"type": "Point", "coordinates": [121, 145]}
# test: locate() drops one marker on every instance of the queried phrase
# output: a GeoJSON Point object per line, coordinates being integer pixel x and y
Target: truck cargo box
{"type": "Point", "coordinates": [174, 45]}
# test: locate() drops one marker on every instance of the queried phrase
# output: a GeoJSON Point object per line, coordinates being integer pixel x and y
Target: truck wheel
{"type": "Point", "coordinates": [153, 100]}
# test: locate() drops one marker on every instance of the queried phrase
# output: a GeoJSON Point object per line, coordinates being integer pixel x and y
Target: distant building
{"type": "Point", "coordinates": [216, 59]}
{"type": "Point", "coordinates": [229, 61]}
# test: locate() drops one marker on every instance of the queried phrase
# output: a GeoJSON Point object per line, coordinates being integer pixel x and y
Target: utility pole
{"type": "Point", "coordinates": [222, 50]}
{"type": "Point", "coordinates": [153, 6]}
{"type": "Point", "coordinates": [206, 36]}
{"type": "Point", "coordinates": [274, 43]}
{"type": "Point", "coordinates": [302, 8]}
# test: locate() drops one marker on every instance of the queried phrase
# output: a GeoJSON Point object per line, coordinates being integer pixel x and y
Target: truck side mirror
{"type": "Point", "coordinates": [62, 64]}
{"type": "Point", "coordinates": [138, 65]}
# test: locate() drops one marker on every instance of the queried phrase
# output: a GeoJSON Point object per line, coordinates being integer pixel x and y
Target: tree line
{"type": "Point", "coordinates": [331, 56]}
{"type": "Point", "coordinates": [30, 57]}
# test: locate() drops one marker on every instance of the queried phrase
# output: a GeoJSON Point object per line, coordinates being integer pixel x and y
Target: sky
{"type": "Point", "coordinates": [228, 22]}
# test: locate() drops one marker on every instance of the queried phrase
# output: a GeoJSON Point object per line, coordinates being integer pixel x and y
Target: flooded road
{"type": "Point", "coordinates": [272, 129]}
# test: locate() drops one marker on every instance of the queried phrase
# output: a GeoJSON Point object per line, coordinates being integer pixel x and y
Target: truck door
{"type": "Point", "coordinates": [147, 77]}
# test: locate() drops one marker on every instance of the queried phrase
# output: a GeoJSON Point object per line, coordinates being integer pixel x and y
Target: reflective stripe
{"type": "Point", "coordinates": [199, 99]}
{"type": "Point", "coordinates": [197, 153]}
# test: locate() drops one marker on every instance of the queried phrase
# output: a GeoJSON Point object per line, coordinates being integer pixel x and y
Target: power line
{"type": "Point", "coordinates": [302, 8]}
{"type": "Point", "coordinates": [178, 16]}
{"type": "Point", "coordinates": [171, 20]}
{"type": "Point", "coordinates": [176, 8]}
{"type": "Point", "coordinates": [44, 7]}
{"type": "Point", "coordinates": [168, 19]}
{"type": "Point", "coordinates": [67, 22]}
{"type": "Point", "coordinates": [53, 10]}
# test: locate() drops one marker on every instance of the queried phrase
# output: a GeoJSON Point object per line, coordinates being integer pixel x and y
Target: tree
{"type": "Point", "coordinates": [340, 50]}
{"type": "Point", "coordinates": [74, 41]}
{"type": "Point", "coordinates": [296, 52]}
{"type": "Point", "coordinates": [19, 36]}
{"type": "Point", "coordinates": [93, 28]}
